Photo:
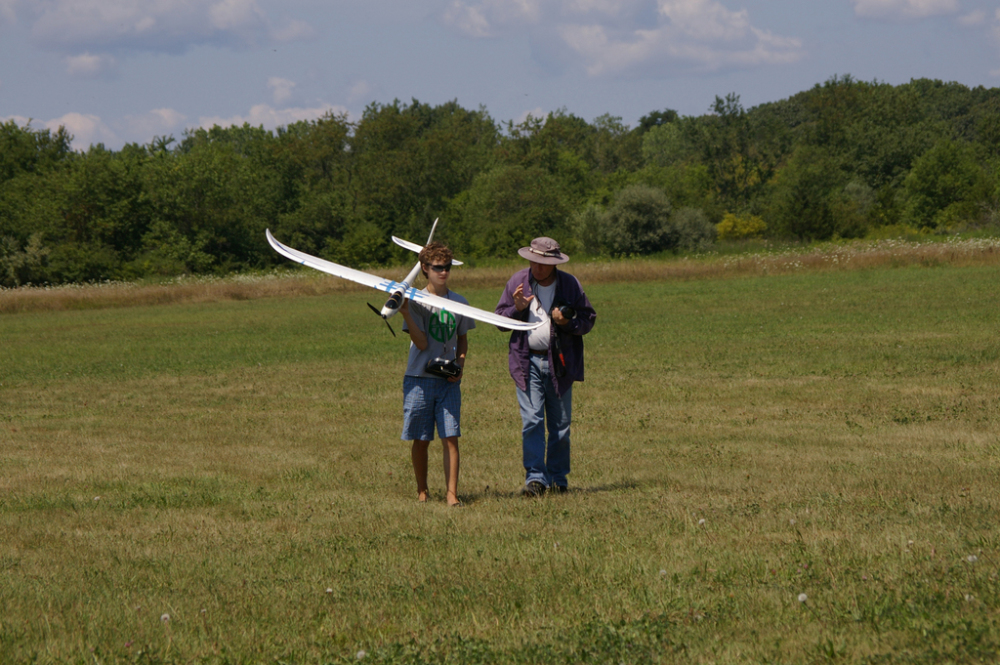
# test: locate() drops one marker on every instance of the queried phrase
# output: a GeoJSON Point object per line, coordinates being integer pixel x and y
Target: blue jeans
{"type": "Point", "coordinates": [540, 403]}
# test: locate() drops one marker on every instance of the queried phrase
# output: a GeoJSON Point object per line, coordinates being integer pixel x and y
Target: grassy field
{"type": "Point", "coordinates": [776, 459]}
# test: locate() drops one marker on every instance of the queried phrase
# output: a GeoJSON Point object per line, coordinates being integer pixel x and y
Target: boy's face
{"type": "Point", "coordinates": [439, 278]}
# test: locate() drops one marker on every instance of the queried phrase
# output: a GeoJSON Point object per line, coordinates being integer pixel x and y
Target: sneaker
{"type": "Point", "coordinates": [533, 488]}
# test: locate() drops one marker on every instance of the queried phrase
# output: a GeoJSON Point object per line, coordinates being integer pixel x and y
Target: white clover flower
{"type": "Point", "coordinates": [701, 522]}
{"type": "Point", "coordinates": [972, 558]}
{"type": "Point", "coordinates": [803, 598]}
{"type": "Point", "coordinates": [662, 572]}
{"type": "Point", "coordinates": [792, 521]}
{"type": "Point", "coordinates": [329, 590]}
{"type": "Point", "coordinates": [361, 654]}
{"type": "Point", "coordinates": [165, 618]}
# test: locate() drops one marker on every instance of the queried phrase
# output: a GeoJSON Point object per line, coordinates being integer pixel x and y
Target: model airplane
{"type": "Point", "coordinates": [398, 291]}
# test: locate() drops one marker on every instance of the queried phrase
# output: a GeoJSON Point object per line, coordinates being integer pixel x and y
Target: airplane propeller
{"type": "Point", "coordinates": [376, 310]}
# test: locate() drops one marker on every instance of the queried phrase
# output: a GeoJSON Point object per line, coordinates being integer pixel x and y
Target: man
{"type": "Point", "coordinates": [430, 399]}
{"type": "Point", "coordinates": [545, 362]}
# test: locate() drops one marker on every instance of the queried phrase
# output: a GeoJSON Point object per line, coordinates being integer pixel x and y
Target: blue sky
{"type": "Point", "coordinates": [121, 71]}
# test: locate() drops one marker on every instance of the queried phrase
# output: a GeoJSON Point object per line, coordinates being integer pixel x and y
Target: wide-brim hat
{"type": "Point", "coordinates": [545, 251]}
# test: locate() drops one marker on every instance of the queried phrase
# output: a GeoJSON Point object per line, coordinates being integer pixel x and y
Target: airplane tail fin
{"type": "Point", "coordinates": [375, 309]}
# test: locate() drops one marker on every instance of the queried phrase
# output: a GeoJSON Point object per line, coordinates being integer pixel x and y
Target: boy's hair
{"type": "Point", "coordinates": [434, 253]}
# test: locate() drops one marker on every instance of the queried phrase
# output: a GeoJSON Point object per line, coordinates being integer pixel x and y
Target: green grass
{"type": "Point", "coordinates": [738, 442]}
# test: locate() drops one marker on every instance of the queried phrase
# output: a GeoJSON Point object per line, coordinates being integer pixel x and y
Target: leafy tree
{"type": "Point", "coordinates": [22, 265]}
{"type": "Point", "coordinates": [946, 185]}
{"type": "Point", "coordinates": [410, 161]}
{"type": "Point", "coordinates": [616, 148]}
{"type": "Point", "coordinates": [505, 208]}
{"type": "Point", "coordinates": [666, 145]}
{"type": "Point", "coordinates": [561, 144]}
{"type": "Point", "coordinates": [27, 151]}
{"type": "Point", "coordinates": [854, 209]}
{"type": "Point", "coordinates": [315, 167]}
{"type": "Point", "coordinates": [985, 118]}
{"type": "Point", "coordinates": [802, 204]}
{"type": "Point", "coordinates": [836, 160]}
{"type": "Point", "coordinates": [656, 119]}
{"type": "Point", "coordinates": [737, 149]}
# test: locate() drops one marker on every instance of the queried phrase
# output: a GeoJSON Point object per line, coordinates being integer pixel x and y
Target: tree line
{"type": "Point", "coordinates": [842, 159]}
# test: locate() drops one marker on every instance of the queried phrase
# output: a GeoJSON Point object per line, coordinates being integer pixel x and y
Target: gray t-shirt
{"type": "Point", "coordinates": [442, 329]}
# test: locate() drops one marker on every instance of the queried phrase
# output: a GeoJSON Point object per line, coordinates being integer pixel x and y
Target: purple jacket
{"type": "Point", "coordinates": [568, 291]}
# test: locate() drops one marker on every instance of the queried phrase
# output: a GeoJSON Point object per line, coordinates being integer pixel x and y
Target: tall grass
{"type": "Point", "coordinates": [733, 259]}
{"type": "Point", "coordinates": [224, 482]}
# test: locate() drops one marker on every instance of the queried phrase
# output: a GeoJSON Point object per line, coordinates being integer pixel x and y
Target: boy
{"type": "Point", "coordinates": [430, 400]}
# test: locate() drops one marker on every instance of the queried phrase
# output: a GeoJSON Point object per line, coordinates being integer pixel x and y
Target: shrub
{"type": "Point", "coordinates": [740, 227]}
{"type": "Point", "coordinates": [639, 222]}
{"type": "Point", "coordinates": [692, 229]}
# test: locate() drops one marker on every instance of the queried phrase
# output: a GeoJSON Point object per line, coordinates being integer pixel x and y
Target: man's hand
{"type": "Point", "coordinates": [558, 318]}
{"type": "Point", "coordinates": [520, 302]}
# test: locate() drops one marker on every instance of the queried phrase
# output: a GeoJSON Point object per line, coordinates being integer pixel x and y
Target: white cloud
{"type": "Point", "coordinates": [903, 9]}
{"type": "Point", "coordinates": [269, 117]}
{"type": "Point", "coordinates": [360, 92]}
{"type": "Point", "coordinates": [536, 112]}
{"type": "Point", "coordinates": [972, 19]}
{"type": "Point", "coordinates": [158, 122]}
{"type": "Point", "coordinates": [88, 65]}
{"type": "Point", "coordinates": [235, 14]}
{"type": "Point", "coordinates": [281, 89]}
{"type": "Point", "coordinates": [294, 31]}
{"type": "Point", "coordinates": [608, 7]}
{"type": "Point", "coordinates": [7, 11]}
{"type": "Point", "coordinates": [468, 20]}
{"type": "Point", "coordinates": [86, 129]}
{"type": "Point", "coordinates": [705, 20]}
{"type": "Point", "coordinates": [162, 26]}
{"type": "Point", "coordinates": [490, 16]}
{"type": "Point", "coordinates": [614, 38]}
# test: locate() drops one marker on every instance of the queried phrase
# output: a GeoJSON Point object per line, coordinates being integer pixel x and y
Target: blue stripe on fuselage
{"type": "Point", "coordinates": [389, 286]}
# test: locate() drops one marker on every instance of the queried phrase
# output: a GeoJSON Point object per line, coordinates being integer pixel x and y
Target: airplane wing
{"type": "Point", "coordinates": [330, 267]}
{"type": "Point", "coordinates": [414, 247]}
{"type": "Point", "coordinates": [388, 285]}
{"type": "Point", "coordinates": [473, 312]}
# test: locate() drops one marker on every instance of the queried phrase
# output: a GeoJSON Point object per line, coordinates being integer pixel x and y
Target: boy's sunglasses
{"type": "Point", "coordinates": [444, 268]}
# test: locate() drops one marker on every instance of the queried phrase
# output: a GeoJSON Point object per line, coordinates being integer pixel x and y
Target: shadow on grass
{"type": "Point", "coordinates": [469, 498]}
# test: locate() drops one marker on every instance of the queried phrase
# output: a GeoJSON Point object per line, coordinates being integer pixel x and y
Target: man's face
{"type": "Point", "coordinates": [541, 272]}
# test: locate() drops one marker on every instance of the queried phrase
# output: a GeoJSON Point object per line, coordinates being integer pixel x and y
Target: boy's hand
{"type": "Point", "coordinates": [461, 365]}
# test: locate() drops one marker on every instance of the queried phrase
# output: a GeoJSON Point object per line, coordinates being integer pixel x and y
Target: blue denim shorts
{"type": "Point", "coordinates": [428, 401]}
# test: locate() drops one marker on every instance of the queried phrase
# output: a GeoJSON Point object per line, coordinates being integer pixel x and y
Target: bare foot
{"type": "Point", "coordinates": [453, 500]}
{"type": "Point", "coordinates": [422, 497]}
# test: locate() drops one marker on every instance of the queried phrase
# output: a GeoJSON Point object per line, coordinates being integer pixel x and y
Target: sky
{"type": "Point", "coordinates": [128, 71]}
